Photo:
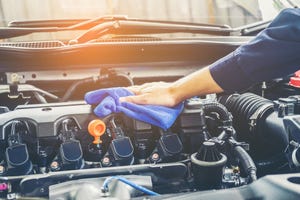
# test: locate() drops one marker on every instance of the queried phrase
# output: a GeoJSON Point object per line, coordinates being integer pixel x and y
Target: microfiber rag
{"type": "Point", "coordinates": [108, 102]}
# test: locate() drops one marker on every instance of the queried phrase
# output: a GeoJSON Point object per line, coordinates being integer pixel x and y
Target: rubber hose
{"type": "Point", "coordinates": [244, 106]}
{"type": "Point", "coordinates": [247, 162]}
{"type": "Point", "coordinates": [218, 108]}
{"type": "Point", "coordinates": [74, 86]}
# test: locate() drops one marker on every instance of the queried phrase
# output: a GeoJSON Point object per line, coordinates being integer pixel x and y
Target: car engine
{"type": "Point", "coordinates": [231, 146]}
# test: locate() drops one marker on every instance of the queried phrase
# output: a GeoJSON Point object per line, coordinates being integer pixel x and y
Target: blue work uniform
{"type": "Point", "coordinates": [273, 53]}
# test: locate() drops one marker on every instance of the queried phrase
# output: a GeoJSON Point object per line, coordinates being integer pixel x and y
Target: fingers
{"type": "Point", "coordinates": [140, 89]}
{"type": "Point", "coordinates": [139, 99]}
{"type": "Point", "coordinates": [155, 93]}
{"type": "Point", "coordinates": [149, 99]}
{"type": "Point", "coordinates": [134, 89]}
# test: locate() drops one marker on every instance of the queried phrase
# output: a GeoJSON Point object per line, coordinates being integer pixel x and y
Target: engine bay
{"type": "Point", "coordinates": [226, 146]}
{"type": "Point", "coordinates": [55, 147]}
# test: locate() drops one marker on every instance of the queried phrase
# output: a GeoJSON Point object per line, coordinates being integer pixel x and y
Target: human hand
{"type": "Point", "coordinates": [170, 94]}
{"type": "Point", "coordinates": [107, 102]}
{"type": "Point", "coordinates": [155, 93]}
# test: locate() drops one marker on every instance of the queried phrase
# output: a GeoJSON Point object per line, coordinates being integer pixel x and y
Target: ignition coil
{"type": "Point", "coordinates": [17, 156]}
{"type": "Point", "coordinates": [120, 150]}
{"type": "Point", "coordinates": [70, 152]}
{"type": "Point", "coordinates": [168, 148]}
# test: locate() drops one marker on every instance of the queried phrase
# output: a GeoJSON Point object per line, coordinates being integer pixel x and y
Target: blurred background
{"type": "Point", "coordinates": [231, 12]}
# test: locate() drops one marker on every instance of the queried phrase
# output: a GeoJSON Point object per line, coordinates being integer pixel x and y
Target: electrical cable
{"type": "Point", "coordinates": [94, 79]}
{"type": "Point", "coordinates": [247, 162]}
{"type": "Point", "coordinates": [124, 180]}
{"type": "Point", "coordinates": [75, 85]}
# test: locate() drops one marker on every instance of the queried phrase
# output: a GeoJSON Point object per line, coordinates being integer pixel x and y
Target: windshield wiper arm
{"type": "Point", "coordinates": [20, 28]}
{"type": "Point", "coordinates": [89, 23]}
{"type": "Point", "coordinates": [141, 27]}
{"type": "Point", "coordinates": [69, 24]}
{"type": "Point", "coordinates": [119, 25]}
{"type": "Point", "coordinates": [15, 32]}
{"type": "Point", "coordinates": [253, 28]}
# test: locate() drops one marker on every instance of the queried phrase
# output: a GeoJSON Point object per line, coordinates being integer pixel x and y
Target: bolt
{"type": "Point", "coordinates": [155, 157]}
{"type": "Point", "coordinates": [106, 161]}
{"type": "Point", "coordinates": [54, 166]}
{"type": "Point", "coordinates": [236, 169]}
{"type": "Point", "coordinates": [2, 169]}
{"type": "Point", "coordinates": [42, 190]}
{"type": "Point", "coordinates": [14, 78]}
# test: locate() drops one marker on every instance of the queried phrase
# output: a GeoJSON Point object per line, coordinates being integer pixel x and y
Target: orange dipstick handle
{"type": "Point", "coordinates": [96, 129]}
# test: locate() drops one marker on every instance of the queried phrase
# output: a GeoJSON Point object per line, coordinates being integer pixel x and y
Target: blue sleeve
{"type": "Point", "coordinates": [273, 53]}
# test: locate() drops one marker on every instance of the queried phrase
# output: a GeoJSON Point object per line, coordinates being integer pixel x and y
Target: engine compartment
{"type": "Point", "coordinates": [62, 150]}
{"type": "Point", "coordinates": [221, 146]}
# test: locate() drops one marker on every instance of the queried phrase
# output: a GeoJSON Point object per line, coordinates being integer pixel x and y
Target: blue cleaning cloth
{"type": "Point", "coordinates": [108, 102]}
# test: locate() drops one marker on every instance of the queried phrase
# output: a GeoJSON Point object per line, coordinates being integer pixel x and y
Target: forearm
{"type": "Point", "coordinates": [274, 53]}
{"type": "Point", "coordinates": [196, 84]}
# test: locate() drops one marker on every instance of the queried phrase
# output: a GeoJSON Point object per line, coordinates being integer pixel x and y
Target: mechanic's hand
{"type": "Point", "coordinates": [156, 93]}
{"type": "Point", "coordinates": [170, 94]}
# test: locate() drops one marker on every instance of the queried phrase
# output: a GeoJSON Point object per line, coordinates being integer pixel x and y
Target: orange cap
{"type": "Point", "coordinates": [96, 129]}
